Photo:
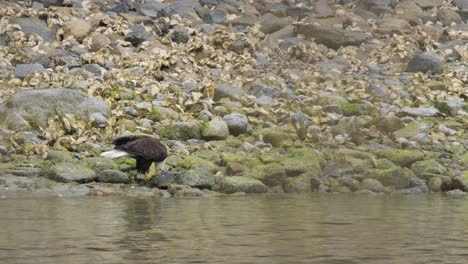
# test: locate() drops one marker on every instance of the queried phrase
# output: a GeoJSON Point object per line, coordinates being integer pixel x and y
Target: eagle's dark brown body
{"type": "Point", "coordinates": [144, 149]}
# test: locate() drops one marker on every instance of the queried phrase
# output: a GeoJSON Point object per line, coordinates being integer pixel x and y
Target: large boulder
{"type": "Point", "coordinates": [32, 108]}
{"type": "Point", "coordinates": [215, 129]}
{"type": "Point", "coordinates": [425, 62]}
{"type": "Point", "coordinates": [237, 123]}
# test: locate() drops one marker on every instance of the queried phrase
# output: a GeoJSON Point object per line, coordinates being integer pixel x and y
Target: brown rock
{"type": "Point", "coordinates": [79, 28]}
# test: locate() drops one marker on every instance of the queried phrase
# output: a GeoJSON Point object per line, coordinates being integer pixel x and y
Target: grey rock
{"type": "Point", "coordinates": [163, 180]}
{"type": "Point", "coordinates": [216, 16]}
{"type": "Point", "coordinates": [288, 42]}
{"type": "Point", "coordinates": [347, 125]}
{"type": "Point", "coordinates": [32, 108]}
{"type": "Point", "coordinates": [47, 3]}
{"type": "Point", "coordinates": [420, 111]}
{"type": "Point", "coordinates": [461, 4]}
{"type": "Point", "coordinates": [138, 35]}
{"type": "Point", "coordinates": [271, 23]}
{"type": "Point", "coordinates": [201, 178]}
{"type": "Point", "coordinates": [23, 70]}
{"type": "Point", "coordinates": [374, 6]}
{"type": "Point", "coordinates": [215, 129]}
{"type": "Point", "coordinates": [447, 17]}
{"type": "Point", "coordinates": [260, 89]}
{"type": "Point", "coordinates": [456, 193]}
{"type": "Point", "coordinates": [452, 105]}
{"type": "Point", "coordinates": [264, 100]}
{"type": "Point", "coordinates": [330, 36]}
{"type": "Point", "coordinates": [226, 90]}
{"type": "Point", "coordinates": [388, 123]}
{"type": "Point", "coordinates": [323, 9]}
{"type": "Point", "coordinates": [79, 28]}
{"type": "Point", "coordinates": [180, 34]}
{"type": "Point", "coordinates": [70, 172]}
{"type": "Point", "coordinates": [113, 176]}
{"type": "Point", "coordinates": [234, 184]}
{"type": "Point", "coordinates": [124, 6]}
{"type": "Point", "coordinates": [94, 69]}
{"type": "Point", "coordinates": [389, 25]}
{"type": "Point", "coordinates": [425, 62]}
{"type": "Point", "coordinates": [186, 130]}
{"type": "Point", "coordinates": [372, 185]}
{"type": "Point", "coordinates": [99, 41]}
{"type": "Point", "coordinates": [37, 26]}
{"type": "Point", "coordinates": [237, 123]}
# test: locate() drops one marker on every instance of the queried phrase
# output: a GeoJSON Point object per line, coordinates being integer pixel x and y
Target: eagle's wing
{"type": "Point", "coordinates": [143, 146]}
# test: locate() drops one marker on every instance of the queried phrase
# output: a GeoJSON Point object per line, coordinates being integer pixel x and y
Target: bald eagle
{"type": "Point", "coordinates": [144, 149]}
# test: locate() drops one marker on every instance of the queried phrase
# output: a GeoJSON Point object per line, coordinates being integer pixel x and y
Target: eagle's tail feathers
{"type": "Point", "coordinates": [114, 154]}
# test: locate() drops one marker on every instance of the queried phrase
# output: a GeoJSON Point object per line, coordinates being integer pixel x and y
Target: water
{"type": "Point", "coordinates": [337, 228]}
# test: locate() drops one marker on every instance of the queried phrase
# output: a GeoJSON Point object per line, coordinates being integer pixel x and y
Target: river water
{"type": "Point", "coordinates": [328, 228]}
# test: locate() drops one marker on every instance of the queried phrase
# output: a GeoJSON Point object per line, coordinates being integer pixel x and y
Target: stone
{"type": "Point", "coordinates": [201, 178]}
{"type": "Point", "coordinates": [388, 123]}
{"type": "Point", "coordinates": [452, 105]}
{"type": "Point", "coordinates": [30, 25]}
{"type": "Point", "coordinates": [99, 41]}
{"type": "Point", "coordinates": [180, 34]}
{"type": "Point", "coordinates": [388, 25]}
{"type": "Point", "coordinates": [428, 168]}
{"type": "Point", "coordinates": [215, 129]}
{"type": "Point", "coordinates": [271, 175]}
{"type": "Point", "coordinates": [99, 164]}
{"type": "Point", "coordinates": [113, 176]}
{"type": "Point", "coordinates": [70, 172]}
{"type": "Point", "coordinates": [234, 184]}
{"type": "Point", "coordinates": [456, 193]}
{"type": "Point", "coordinates": [260, 89]}
{"type": "Point", "coordinates": [420, 111]}
{"type": "Point", "coordinates": [447, 17]}
{"type": "Point", "coordinates": [413, 129]}
{"type": "Point", "coordinates": [227, 91]}
{"type": "Point", "coordinates": [301, 184]}
{"type": "Point", "coordinates": [271, 23]}
{"type": "Point", "coordinates": [425, 62]}
{"type": "Point", "coordinates": [274, 135]}
{"type": "Point", "coordinates": [138, 35]}
{"type": "Point", "coordinates": [347, 125]}
{"type": "Point", "coordinates": [163, 180]}
{"type": "Point", "coordinates": [395, 177]}
{"type": "Point", "coordinates": [330, 36]}
{"type": "Point", "coordinates": [401, 157]}
{"type": "Point", "coordinates": [23, 70]}
{"type": "Point", "coordinates": [237, 123]}
{"type": "Point", "coordinates": [372, 185]}
{"type": "Point", "coordinates": [31, 109]}
{"type": "Point", "coordinates": [79, 28]}
{"type": "Point", "coordinates": [323, 9]}
{"type": "Point", "coordinates": [183, 131]}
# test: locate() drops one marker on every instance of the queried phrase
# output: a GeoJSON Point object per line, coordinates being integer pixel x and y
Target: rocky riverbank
{"type": "Point", "coordinates": [249, 96]}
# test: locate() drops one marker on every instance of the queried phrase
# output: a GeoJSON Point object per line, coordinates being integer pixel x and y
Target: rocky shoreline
{"type": "Point", "coordinates": [265, 96]}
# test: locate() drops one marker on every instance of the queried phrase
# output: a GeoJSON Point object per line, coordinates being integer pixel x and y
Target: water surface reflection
{"type": "Point", "coordinates": [337, 228]}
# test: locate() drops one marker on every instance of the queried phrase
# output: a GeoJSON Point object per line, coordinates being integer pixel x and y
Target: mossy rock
{"type": "Point", "coordinates": [198, 177]}
{"type": "Point", "coordinates": [351, 109]}
{"type": "Point", "coordinates": [70, 172]}
{"type": "Point", "coordinates": [427, 168]}
{"type": "Point", "coordinates": [181, 131]}
{"type": "Point", "coordinates": [271, 157]}
{"type": "Point", "coordinates": [192, 162]}
{"type": "Point", "coordinates": [300, 161]}
{"type": "Point", "coordinates": [274, 135]}
{"type": "Point", "coordinates": [209, 155]}
{"type": "Point", "coordinates": [59, 156]}
{"type": "Point", "coordinates": [235, 184]}
{"type": "Point", "coordinates": [396, 177]}
{"type": "Point", "coordinates": [272, 174]}
{"type": "Point", "coordinates": [113, 176]}
{"type": "Point", "coordinates": [300, 184]}
{"type": "Point", "coordinates": [400, 157]}
{"type": "Point", "coordinates": [243, 158]}
{"type": "Point", "coordinates": [372, 185]}
{"type": "Point", "coordinates": [216, 129]}
{"type": "Point", "coordinates": [383, 164]}
{"type": "Point", "coordinates": [100, 163]}
{"type": "Point", "coordinates": [413, 129]}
